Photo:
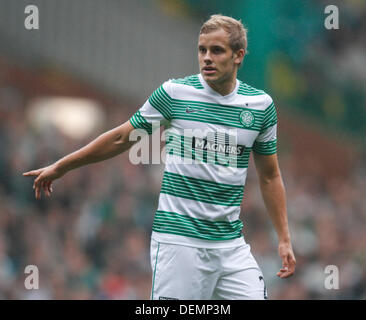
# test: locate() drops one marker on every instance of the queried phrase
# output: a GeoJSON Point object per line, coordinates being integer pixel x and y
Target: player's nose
{"type": "Point", "coordinates": [207, 57]}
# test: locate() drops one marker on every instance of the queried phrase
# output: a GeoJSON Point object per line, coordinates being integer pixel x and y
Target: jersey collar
{"type": "Point", "coordinates": [215, 93]}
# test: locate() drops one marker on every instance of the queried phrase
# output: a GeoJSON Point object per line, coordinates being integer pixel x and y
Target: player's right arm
{"type": "Point", "coordinates": [107, 145]}
{"type": "Point", "coordinates": [111, 143]}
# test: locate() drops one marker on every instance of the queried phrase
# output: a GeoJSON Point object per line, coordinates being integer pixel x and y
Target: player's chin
{"type": "Point", "coordinates": [215, 77]}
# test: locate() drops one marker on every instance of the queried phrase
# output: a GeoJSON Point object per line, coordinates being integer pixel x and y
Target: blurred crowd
{"type": "Point", "coordinates": [90, 240]}
{"type": "Point", "coordinates": [324, 71]}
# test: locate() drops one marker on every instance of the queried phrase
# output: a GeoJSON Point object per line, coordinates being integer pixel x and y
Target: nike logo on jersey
{"type": "Point", "coordinates": [190, 110]}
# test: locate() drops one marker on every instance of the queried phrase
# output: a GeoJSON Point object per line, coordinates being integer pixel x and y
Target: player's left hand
{"type": "Point", "coordinates": [288, 260]}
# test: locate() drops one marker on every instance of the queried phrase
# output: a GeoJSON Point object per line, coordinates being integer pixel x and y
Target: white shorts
{"type": "Point", "coordinates": [190, 273]}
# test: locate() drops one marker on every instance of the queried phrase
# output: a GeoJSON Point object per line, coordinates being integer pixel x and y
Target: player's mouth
{"type": "Point", "coordinates": [209, 70]}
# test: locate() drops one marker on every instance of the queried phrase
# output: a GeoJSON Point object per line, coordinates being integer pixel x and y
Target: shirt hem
{"type": "Point", "coordinates": [197, 243]}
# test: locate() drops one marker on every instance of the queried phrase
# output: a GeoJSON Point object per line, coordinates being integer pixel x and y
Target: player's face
{"type": "Point", "coordinates": [217, 61]}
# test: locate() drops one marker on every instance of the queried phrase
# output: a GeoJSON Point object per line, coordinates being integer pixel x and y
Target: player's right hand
{"type": "Point", "coordinates": [44, 178]}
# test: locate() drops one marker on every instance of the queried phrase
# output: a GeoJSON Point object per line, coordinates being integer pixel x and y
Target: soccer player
{"type": "Point", "coordinates": [197, 247]}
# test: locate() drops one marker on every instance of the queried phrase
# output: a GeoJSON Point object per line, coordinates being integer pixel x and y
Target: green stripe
{"type": "Point", "coordinates": [202, 190]}
{"type": "Point", "coordinates": [206, 224]}
{"type": "Point", "coordinates": [156, 262]}
{"type": "Point", "coordinates": [139, 122]}
{"type": "Point", "coordinates": [204, 183]}
{"type": "Point", "coordinates": [270, 117]}
{"type": "Point", "coordinates": [247, 90]}
{"type": "Point", "coordinates": [192, 81]}
{"type": "Point", "coordinates": [182, 193]}
{"type": "Point", "coordinates": [182, 188]}
{"type": "Point", "coordinates": [162, 102]}
{"type": "Point", "coordinates": [266, 148]}
{"type": "Point", "coordinates": [174, 223]}
{"type": "Point", "coordinates": [188, 224]}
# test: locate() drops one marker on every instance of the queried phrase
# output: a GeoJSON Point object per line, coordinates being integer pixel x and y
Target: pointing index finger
{"type": "Point", "coordinates": [31, 173]}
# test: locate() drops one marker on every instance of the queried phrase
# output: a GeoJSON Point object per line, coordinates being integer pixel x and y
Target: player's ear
{"type": "Point", "coordinates": [239, 56]}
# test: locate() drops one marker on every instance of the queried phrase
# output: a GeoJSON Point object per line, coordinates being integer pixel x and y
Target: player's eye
{"type": "Point", "coordinates": [202, 50]}
{"type": "Point", "coordinates": [217, 50]}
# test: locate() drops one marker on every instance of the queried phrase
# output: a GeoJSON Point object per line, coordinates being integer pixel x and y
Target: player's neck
{"type": "Point", "coordinates": [224, 87]}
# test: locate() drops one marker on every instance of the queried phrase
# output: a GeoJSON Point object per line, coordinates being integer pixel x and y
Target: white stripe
{"type": "Point", "coordinates": [211, 172]}
{"type": "Point", "coordinates": [150, 113]}
{"type": "Point", "coordinates": [269, 134]}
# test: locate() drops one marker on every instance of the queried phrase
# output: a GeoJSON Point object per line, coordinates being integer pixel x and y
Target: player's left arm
{"type": "Point", "coordinates": [274, 196]}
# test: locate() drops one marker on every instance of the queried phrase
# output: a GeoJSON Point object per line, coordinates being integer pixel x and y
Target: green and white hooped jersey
{"type": "Point", "coordinates": [209, 138]}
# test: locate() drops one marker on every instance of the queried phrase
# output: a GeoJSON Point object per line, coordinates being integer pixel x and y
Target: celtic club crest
{"type": "Point", "coordinates": [247, 118]}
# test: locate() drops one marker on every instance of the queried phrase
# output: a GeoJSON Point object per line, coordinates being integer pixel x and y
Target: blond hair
{"type": "Point", "coordinates": [235, 28]}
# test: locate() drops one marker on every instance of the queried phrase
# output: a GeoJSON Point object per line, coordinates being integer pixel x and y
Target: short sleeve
{"type": "Point", "coordinates": [156, 109]}
{"type": "Point", "coordinates": [266, 142]}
